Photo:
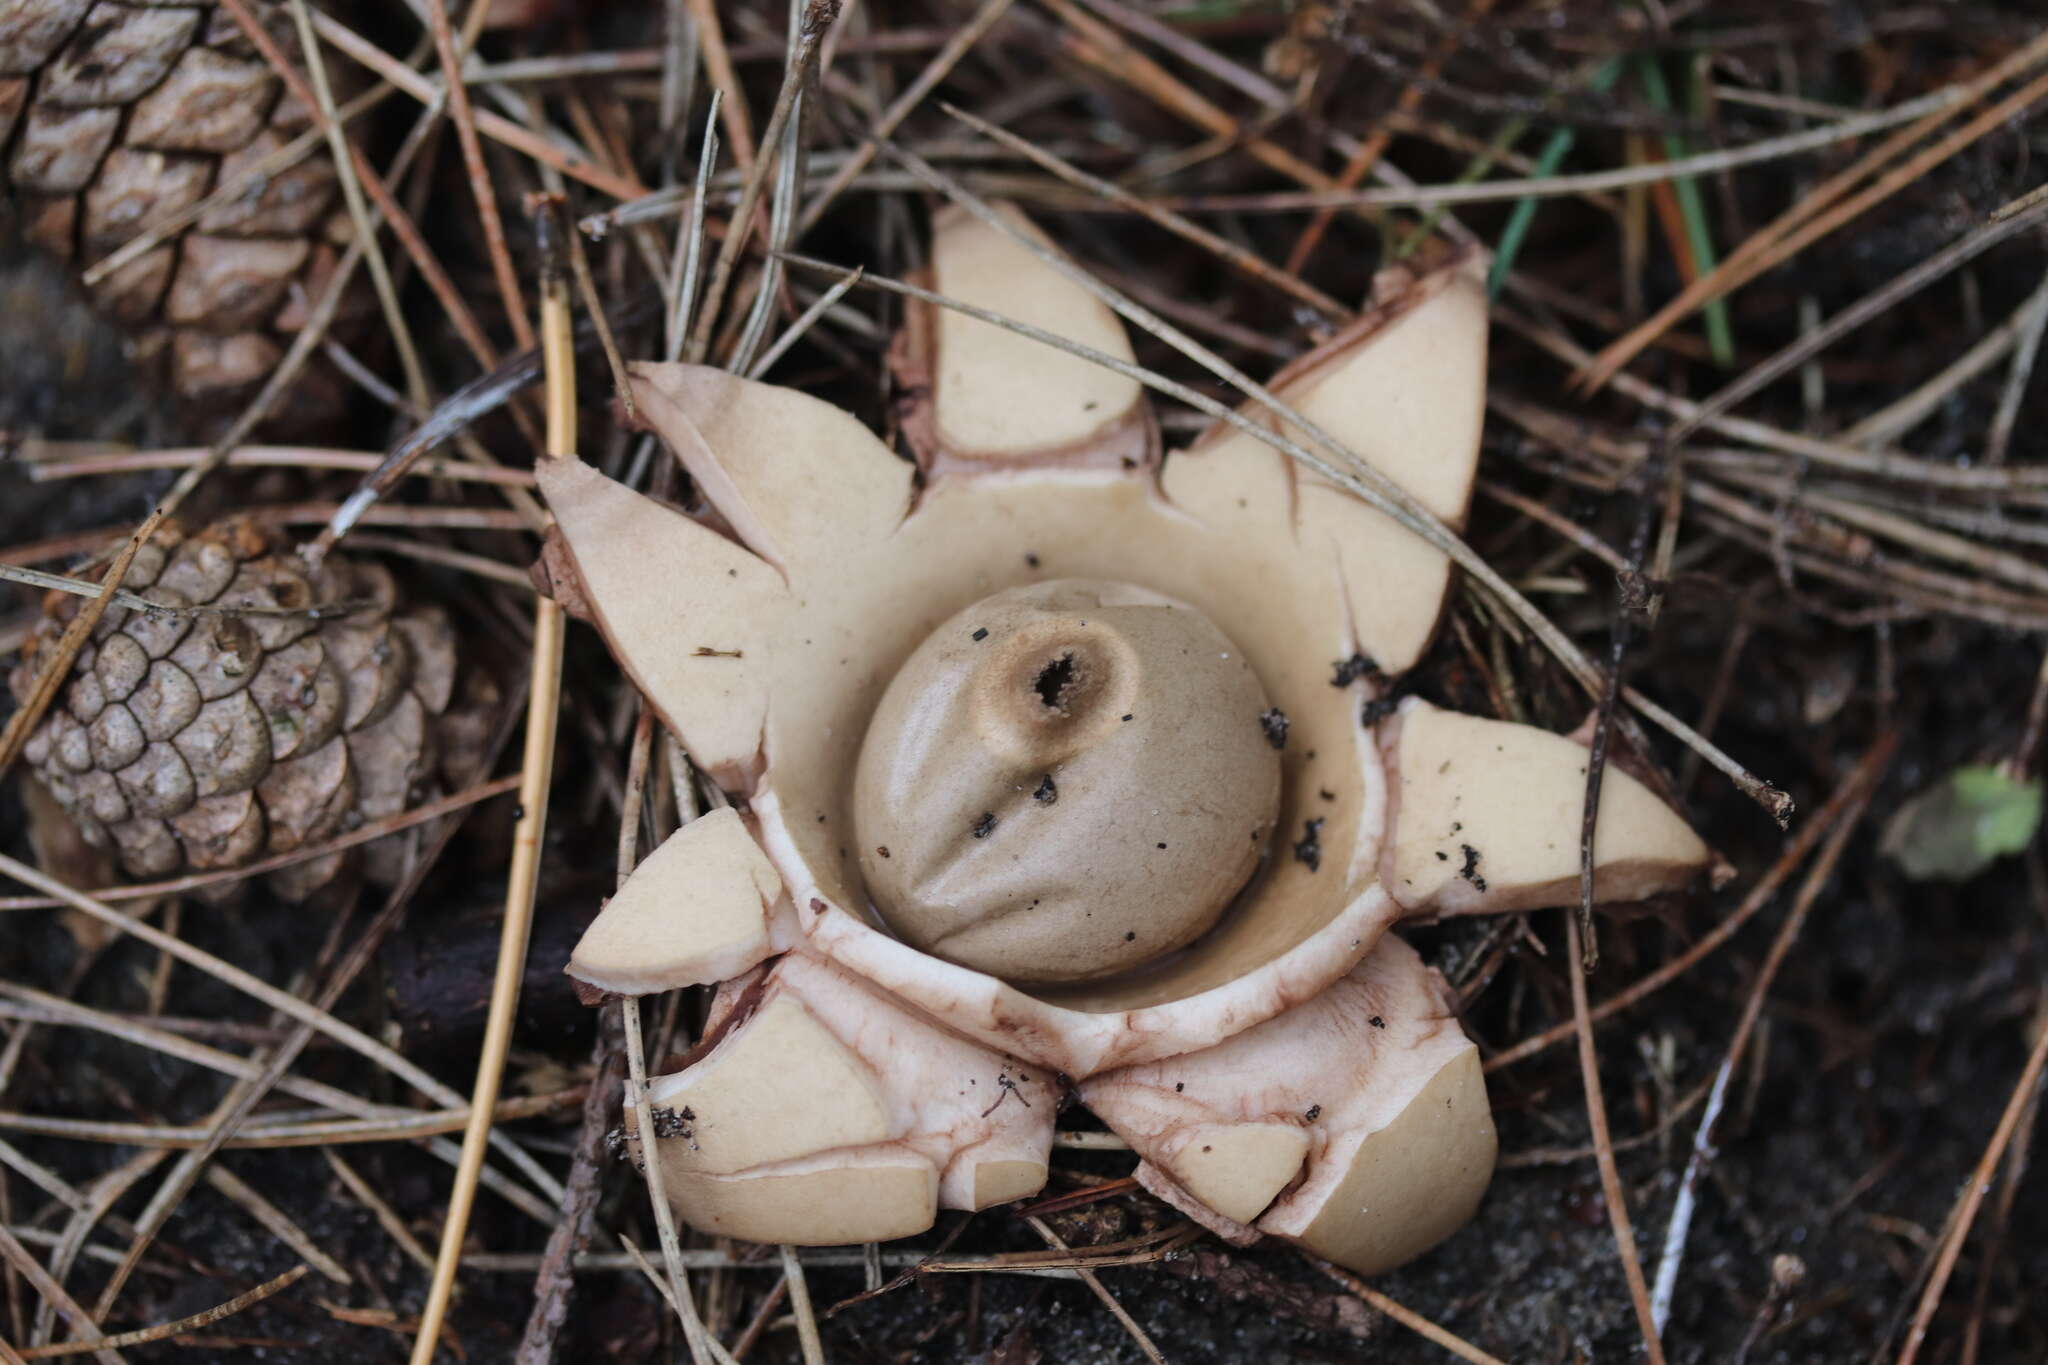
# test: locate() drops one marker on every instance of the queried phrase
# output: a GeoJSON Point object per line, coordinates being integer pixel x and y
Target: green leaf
{"type": "Point", "coordinates": [1963, 823]}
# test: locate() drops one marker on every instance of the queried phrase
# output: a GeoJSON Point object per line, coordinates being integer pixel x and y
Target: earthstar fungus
{"type": "Point", "coordinates": [1029, 753]}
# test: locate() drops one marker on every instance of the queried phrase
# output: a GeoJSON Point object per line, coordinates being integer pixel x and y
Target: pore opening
{"type": "Point", "coordinates": [1054, 680]}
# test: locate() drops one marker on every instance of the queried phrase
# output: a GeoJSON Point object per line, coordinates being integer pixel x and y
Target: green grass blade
{"type": "Point", "coordinates": [1720, 337]}
{"type": "Point", "coordinates": [1554, 152]}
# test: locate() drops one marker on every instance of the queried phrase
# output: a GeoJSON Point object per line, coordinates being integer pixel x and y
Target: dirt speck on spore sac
{"type": "Point", "coordinates": [1470, 871]}
{"type": "Point", "coordinates": [1309, 849]}
{"type": "Point", "coordinates": [1273, 724]}
{"type": "Point", "coordinates": [1348, 671]}
{"type": "Point", "coordinates": [673, 1123]}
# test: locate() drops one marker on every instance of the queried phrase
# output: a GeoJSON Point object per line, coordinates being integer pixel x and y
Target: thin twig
{"type": "Point", "coordinates": [1631, 585]}
{"type": "Point", "coordinates": [1703, 1143]}
{"type": "Point", "coordinates": [1407, 1317]}
{"type": "Point", "coordinates": [936, 70]}
{"type": "Point", "coordinates": [718, 66]}
{"type": "Point", "coordinates": [2020, 205]}
{"type": "Point", "coordinates": [72, 466]}
{"type": "Point", "coordinates": [795, 331]}
{"type": "Point", "coordinates": [1851, 790]}
{"type": "Point", "coordinates": [23, 1262]}
{"type": "Point", "coordinates": [1999, 438]}
{"type": "Point", "coordinates": [387, 1217]}
{"type": "Point", "coordinates": [782, 210]}
{"type": "Point", "coordinates": [277, 1222]}
{"type": "Point", "coordinates": [687, 272]}
{"type": "Point", "coordinates": [1584, 183]}
{"type": "Point", "coordinates": [1610, 1173]}
{"type": "Point", "coordinates": [78, 587]}
{"type": "Point", "coordinates": [1902, 414]}
{"type": "Point", "coordinates": [281, 1130]}
{"type": "Point", "coordinates": [685, 1308]}
{"type": "Point", "coordinates": [144, 1336]}
{"type": "Point", "coordinates": [1096, 1287]}
{"type": "Point", "coordinates": [800, 1308]}
{"type": "Point", "coordinates": [50, 674]}
{"type": "Point", "coordinates": [2024, 1095]}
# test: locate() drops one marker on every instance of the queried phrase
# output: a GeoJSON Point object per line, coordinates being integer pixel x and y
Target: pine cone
{"type": "Point", "coordinates": [201, 741]}
{"type": "Point", "coordinates": [119, 115]}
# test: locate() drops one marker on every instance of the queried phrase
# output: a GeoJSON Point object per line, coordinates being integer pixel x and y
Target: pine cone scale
{"type": "Point", "coordinates": [221, 831]}
{"type": "Point", "coordinates": [300, 695]}
{"type": "Point", "coordinates": [13, 99]}
{"type": "Point", "coordinates": [229, 743]}
{"type": "Point", "coordinates": [116, 738]}
{"type": "Point", "coordinates": [119, 54]}
{"type": "Point", "coordinates": [30, 34]}
{"type": "Point", "coordinates": [159, 632]}
{"type": "Point", "coordinates": [221, 653]}
{"type": "Point", "coordinates": [59, 149]}
{"type": "Point", "coordinates": [209, 103]}
{"type": "Point", "coordinates": [167, 701]}
{"type": "Point", "coordinates": [158, 783]}
{"type": "Point", "coordinates": [121, 667]}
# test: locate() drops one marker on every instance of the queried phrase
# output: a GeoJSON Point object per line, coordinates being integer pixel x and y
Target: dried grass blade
{"type": "Point", "coordinates": [339, 151]}
{"type": "Point", "coordinates": [463, 114]}
{"type": "Point", "coordinates": [494, 126]}
{"type": "Point", "coordinates": [817, 19]}
{"type": "Point", "coordinates": [536, 771]}
{"type": "Point", "coordinates": [1871, 305]}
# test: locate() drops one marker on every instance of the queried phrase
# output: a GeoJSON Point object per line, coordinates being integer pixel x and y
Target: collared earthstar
{"type": "Point", "coordinates": [1057, 765]}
